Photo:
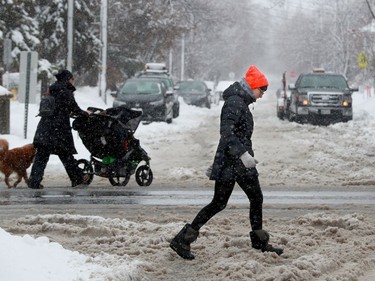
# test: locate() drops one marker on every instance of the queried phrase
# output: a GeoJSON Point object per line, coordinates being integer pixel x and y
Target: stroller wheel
{"type": "Point", "coordinates": [87, 169]}
{"type": "Point", "coordinates": [119, 181]}
{"type": "Point", "coordinates": [144, 176]}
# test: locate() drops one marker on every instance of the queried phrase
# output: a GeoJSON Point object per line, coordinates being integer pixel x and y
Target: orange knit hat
{"type": "Point", "coordinates": [255, 78]}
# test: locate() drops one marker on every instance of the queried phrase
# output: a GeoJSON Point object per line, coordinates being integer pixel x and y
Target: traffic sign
{"type": "Point", "coordinates": [362, 60]}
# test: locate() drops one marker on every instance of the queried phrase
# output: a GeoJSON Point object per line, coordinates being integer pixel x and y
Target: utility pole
{"type": "Point", "coordinates": [170, 49]}
{"type": "Point", "coordinates": [70, 35]}
{"type": "Point", "coordinates": [170, 61]}
{"type": "Point", "coordinates": [7, 59]}
{"type": "Point", "coordinates": [103, 33]}
{"type": "Point", "coordinates": [183, 56]}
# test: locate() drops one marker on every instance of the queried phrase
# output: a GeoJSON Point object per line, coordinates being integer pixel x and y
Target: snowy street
{"type": "Point", "coordinates": [318, 189]}
{"type": "Point", "coordinates": [148, 207]}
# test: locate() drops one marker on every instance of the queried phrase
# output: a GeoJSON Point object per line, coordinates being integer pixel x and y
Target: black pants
{"type": "Point", "coordinates": [40, 162]}
{"type": "Point", "coordinates": [223, 189]}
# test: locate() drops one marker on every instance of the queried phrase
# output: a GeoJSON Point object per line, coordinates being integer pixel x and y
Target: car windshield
{"type": "Point", "coordinates": [191, 86]}
{"type": "Point", "coordinates": [165, 79]}
{"type": "Point", "coordinates": [140, 88]}
{"type": "Point", "coordinates": [323, 81]}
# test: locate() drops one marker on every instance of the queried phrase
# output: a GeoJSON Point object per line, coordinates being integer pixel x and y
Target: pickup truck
{"type": "Point", "coordinates": [320, 98]}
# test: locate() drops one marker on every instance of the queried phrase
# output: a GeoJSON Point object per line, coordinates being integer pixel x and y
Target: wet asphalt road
{"type": "Point", "coordinates": [166, 197]}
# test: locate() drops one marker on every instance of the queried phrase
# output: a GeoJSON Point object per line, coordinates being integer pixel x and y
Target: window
{"type": "Point", "coordinates": [191, 86]}
{"type": "Point", "coordinates": [323, 81]}
{"type": "Point", "coordinates": [140, 87]}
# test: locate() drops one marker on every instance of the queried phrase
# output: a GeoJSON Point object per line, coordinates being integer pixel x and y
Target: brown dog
{"type": "Point", "coordinates": [16, 160]}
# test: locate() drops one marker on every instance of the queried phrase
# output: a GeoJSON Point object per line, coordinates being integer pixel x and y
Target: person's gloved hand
{"type": "Point", "coordinates": [248, 160]}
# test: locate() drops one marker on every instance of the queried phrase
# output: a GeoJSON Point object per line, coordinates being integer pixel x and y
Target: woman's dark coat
{"type": "Point", "coordinates": [54, 132]}
{"type": "Point", "coordinates": [236, 128]}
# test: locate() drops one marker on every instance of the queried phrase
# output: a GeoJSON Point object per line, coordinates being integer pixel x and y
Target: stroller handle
{"type": "Point", "coordinates": [95, 109]}
{"type": "Point", "coordinates": [75, 115]}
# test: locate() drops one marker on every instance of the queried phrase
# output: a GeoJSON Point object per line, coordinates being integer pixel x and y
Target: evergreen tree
{"type": "Point", "coordinates": [41, 25]}
{"type": "Point", "coordinates": [51, 16]}
{"type": "Point", "coordinates": [17, 24]}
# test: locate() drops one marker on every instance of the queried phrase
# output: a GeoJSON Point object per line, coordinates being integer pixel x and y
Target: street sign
{"type": "Point", "coordinates": [28, 77]}
{"type": "Point", "coordinates": [28, 80]}
{"type": "Point", "coordinates": [362, 60]}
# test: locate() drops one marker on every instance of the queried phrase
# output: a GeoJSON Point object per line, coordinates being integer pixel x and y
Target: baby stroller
{"type": "Point", "coordinates": [115, 153]}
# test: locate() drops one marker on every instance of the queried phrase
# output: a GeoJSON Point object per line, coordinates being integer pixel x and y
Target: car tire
{"type": "Point", "coordinates": [279, 114]}
{"type": "Point", "coordinates": [291, 117]}
{"type": "Point", "coordinates": [208, 104]}
{"type": "Point", "coordinates": [176, 110]}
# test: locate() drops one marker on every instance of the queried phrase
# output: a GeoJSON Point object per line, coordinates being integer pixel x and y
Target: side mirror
{"type": "Point", "coordinates": [176, 87]}
{"type": "Point", "coordinates": [354, 89]}
{"type": "Point", "coordinates": [114, 94]}
{"type": "Point", "coordinates": [169, 93]}
{"type": "Point", "coordinates": [291, 86]}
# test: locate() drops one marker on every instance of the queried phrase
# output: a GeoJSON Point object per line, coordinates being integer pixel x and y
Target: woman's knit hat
{"type": "Point", "coordinates": [255, 78]}
{"type": "Point", "coordinates": [64, 75]}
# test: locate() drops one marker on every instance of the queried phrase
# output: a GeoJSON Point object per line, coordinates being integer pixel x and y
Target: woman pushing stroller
{"type": "Point", "coordinates": [54, 136]}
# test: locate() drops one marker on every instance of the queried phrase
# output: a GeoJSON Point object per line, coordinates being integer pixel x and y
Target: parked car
{"type": "Point", "coordinates": [214, 97]}
{"type": "Point", "coordinates": [221, 87]}
{"type": "Point", "coordinates": [148, 94]}
{"type": "Point", "coordinates": [159, 71]}
{"type": "Point", "coordinates": [283, 95]}
{"type": "Point", "coordinates": [194, 93]}
{"type": "Point", "coordinates": [282, 103]}
{"type": "Point", "coordinates": [321, 98]}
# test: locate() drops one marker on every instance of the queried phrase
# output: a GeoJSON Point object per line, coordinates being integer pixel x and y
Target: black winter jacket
{"type": "Point", "coordinates": [54, 132]}
{"type": "Point", "coordinates": [236, 128]}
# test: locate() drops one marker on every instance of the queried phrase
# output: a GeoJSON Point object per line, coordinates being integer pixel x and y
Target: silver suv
{"type": "Point", "coordinates": [321, 98]}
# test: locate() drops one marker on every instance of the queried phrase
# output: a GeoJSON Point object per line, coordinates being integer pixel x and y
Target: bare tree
{"type": "Point", "coordinates": [327, 35]}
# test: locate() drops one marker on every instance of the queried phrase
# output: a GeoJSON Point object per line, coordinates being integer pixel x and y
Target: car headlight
{"type": "Point", "coordinates": [302, 99]}
{"type": "Point", "coordinates": [347, 101]}
{"type": "Point", "coordinates": [117, 103]}
{"type": "Point", "coordinates": [157, 103]}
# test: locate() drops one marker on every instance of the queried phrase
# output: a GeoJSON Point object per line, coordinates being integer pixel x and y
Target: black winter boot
{"type": "Point", "coordinates": [181, 243]}
{"type": "Point", "coordinates": [259, 241]}
{"type": "Point", "coordinates": [34, 184]}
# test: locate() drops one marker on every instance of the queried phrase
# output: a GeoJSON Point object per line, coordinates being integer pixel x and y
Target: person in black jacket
{"type": "Point", "coordinates": [54, 135]}
{"type": "Point", "coordinates": [234, 162]}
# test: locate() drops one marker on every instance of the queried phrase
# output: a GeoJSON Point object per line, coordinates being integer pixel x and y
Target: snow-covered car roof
{"type": "Point", "coordinates": [154, 67]}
